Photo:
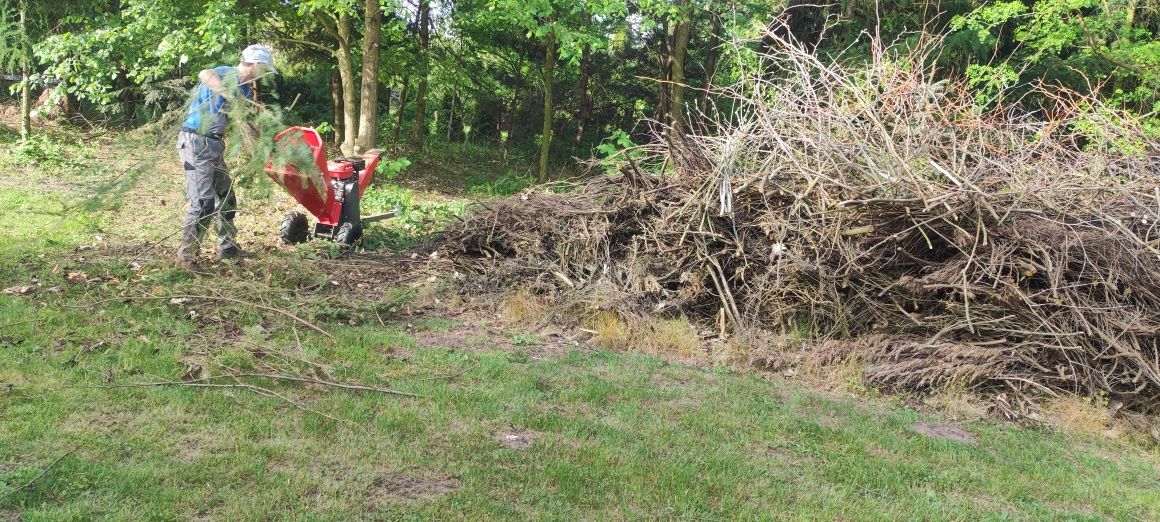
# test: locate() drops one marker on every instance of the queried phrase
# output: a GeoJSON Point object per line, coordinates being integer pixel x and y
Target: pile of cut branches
{"type": "Point", "coordinates": [987, 245]}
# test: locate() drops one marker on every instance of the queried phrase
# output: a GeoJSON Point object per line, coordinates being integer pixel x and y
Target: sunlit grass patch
{"type": "Point", "coordinates": [670, 337]}
{"type": "Point", "coordinates": [609, 331]}
{"type": "Point", "coordinates": [523, 307]}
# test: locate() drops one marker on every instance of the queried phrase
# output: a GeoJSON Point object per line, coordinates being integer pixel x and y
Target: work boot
{"type": "Point", "coordinates": [233, 253]}
{"type": "Point", "coordinates": [187, 264]}
{"type": "Point", "coordinates": [230, 252]}
{"type": "Point", "coordinates": [187, 257]}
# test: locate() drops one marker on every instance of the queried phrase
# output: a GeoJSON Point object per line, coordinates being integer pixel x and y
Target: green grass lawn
{"type": "Point", "coordinates": [533, 429]}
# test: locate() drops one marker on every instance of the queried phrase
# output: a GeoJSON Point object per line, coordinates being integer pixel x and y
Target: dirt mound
{"type": "Point", "coordinates": [971, 245]}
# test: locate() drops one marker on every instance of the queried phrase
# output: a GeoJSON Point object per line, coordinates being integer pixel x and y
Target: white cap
{"type": "Point", "coordinates": [259, 53]}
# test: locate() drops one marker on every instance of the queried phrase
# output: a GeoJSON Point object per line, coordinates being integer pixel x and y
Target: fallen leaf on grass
{"type": "Point", "coordinates": [77, 277]}
{"type": "Point", "coordinates": [19, 290]}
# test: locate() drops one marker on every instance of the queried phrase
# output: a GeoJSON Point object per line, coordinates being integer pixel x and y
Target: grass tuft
{"type": "Point", "coordinates": [1079, 415]}
{"type": "Point", "coordinates": [670, 337]}
{"type": "Point", "coordinates": [609, 331]}
{"type": "Point", "coordinates": [523, 307]}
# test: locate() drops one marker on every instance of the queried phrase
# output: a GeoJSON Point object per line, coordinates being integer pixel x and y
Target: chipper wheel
{"type": "Point", "coordinates": [295, 228]}
{"type": "Point", "coordinates": [347, 234]}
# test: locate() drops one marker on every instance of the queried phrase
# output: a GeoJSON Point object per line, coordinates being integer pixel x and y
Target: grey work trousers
{"type": "Point", "coordinates": [210, 193]}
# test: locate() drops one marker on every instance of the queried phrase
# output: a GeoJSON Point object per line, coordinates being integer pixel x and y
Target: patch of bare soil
{"type": "Point", "coordinates": [106, 422]}
{"type": "Point", "coordinates": [391, 487]}
{"type": "Point", "coordinates": [479, 332]}
{"type": "Point", "coordinates": [192, 446]}
{"type": "Point", "coordinates": [517, 439]}
{"type": "Point", "coordinates": [457, 338]}
{"type": "Point", "coordinates": [945, 432]}
{"type": "Point", "coordinates": [371, 275]}
{"type": "Point", "coordinates": [675, 380]}
{"type": "Point", "coordinates": [9, 516]}
{"type": "Point", "coordinates": [779, 453]}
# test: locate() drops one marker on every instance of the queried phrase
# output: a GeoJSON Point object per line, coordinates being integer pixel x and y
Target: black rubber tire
{"type": "Point", "coordinates": [347, 234]}
{"type": "Point", "coordinates": [295, 228]}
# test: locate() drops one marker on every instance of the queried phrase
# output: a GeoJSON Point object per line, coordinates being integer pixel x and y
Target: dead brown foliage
{"type": "Point", "coordinates": [990, 246]}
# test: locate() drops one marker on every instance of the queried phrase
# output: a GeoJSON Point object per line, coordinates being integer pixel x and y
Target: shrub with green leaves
{"type": "Point", "coordinates": [509, 183]}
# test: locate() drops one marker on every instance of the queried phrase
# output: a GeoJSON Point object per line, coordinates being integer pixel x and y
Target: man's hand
{"type": "Point", "coordinates": [211, 79]}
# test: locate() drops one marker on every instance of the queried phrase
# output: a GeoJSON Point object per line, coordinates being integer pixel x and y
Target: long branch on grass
{"type": "Point", "coordinates": [199, 383]}
{"type": "Point", "coordinates": [386, 391]}
{"type": "Point", "coordinates": [202, 381]}
{"type": "Point", "coordinates": [155, 244]}
{"type": "Point", "coordinates": [300, 320]}
{"type": "Point", "coordinates": [449, 376]}
{"type": "Point", "coordinates": [18, 323]}
{"type": "Point", "coordinates": [42, 473]}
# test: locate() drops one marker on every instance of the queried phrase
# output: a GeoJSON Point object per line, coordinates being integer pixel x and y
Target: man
{"type": "Point", "coordinates": [202, 151]}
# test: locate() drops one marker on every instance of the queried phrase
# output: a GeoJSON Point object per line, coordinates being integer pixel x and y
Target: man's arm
{"type": "Point", "coordinates": [212, 80]}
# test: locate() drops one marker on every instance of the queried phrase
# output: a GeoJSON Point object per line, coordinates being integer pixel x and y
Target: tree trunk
{"type": "Point", "coordinates": [25, 71]}
{"type": "Point", "coordinates": [677, 72]}
{"type": "Point", "coordinates": [385, 101]}
{"type": "Point", "coordinates": [1130, 18]}
{"type": "Point", "coordinates": [450, 118]}
{"type": "Point", "coordinates": [368, 111]}
{"type": "Point", "coordinates": [546, 141]}
{"type": "Point", "coordinates": [126, 97]}
{"type": "Point", "coordinates": [848, 10]}
{"type": "Point", "coordinates": [582, 94]}
{"type": "Point", "coordinates": [424, 64]}
{"type": "Point", "coordinates": [1129, 21]}
{"type": "Point", "coordinates": [711, 60]}
{"type": "Point", "coordinates": [336, 103]}
{"type": "Point", "coordinates": [349, 94]}
{"type": "Point", "coordinates": [505, 121]}
{"type": "Point", "coordinates": [402, 108]}
{"type": "Point", "coordinates": [661, 114]}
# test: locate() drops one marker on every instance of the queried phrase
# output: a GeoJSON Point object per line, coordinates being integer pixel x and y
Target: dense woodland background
{"type": "Point", "coordinates": [550, 79]}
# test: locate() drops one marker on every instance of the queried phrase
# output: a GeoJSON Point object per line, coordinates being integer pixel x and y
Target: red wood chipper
{"type": "Point", "coordinates": [331, 195]}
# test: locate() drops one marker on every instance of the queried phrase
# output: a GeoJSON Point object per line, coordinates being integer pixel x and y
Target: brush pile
{"type": "Point", "coordinates": [880, 210]}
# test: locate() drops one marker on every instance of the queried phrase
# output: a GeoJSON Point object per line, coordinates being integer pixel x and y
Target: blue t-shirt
{"type": "Point", "coordinates": [209, 113]}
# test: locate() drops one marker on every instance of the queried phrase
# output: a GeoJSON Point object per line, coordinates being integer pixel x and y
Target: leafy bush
{"type": "Point", "coordinates": [505, 185]}
{"type": "Point", "coordinates": [414, 218]}
{"type": "Point", "coordinates": [44, 151]}
{"type": "Point", "coordinates": [616, 150]}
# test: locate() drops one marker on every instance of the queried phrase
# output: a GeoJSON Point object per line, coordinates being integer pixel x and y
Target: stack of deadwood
{"type": "Point", "coordinates": [987, 244]}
